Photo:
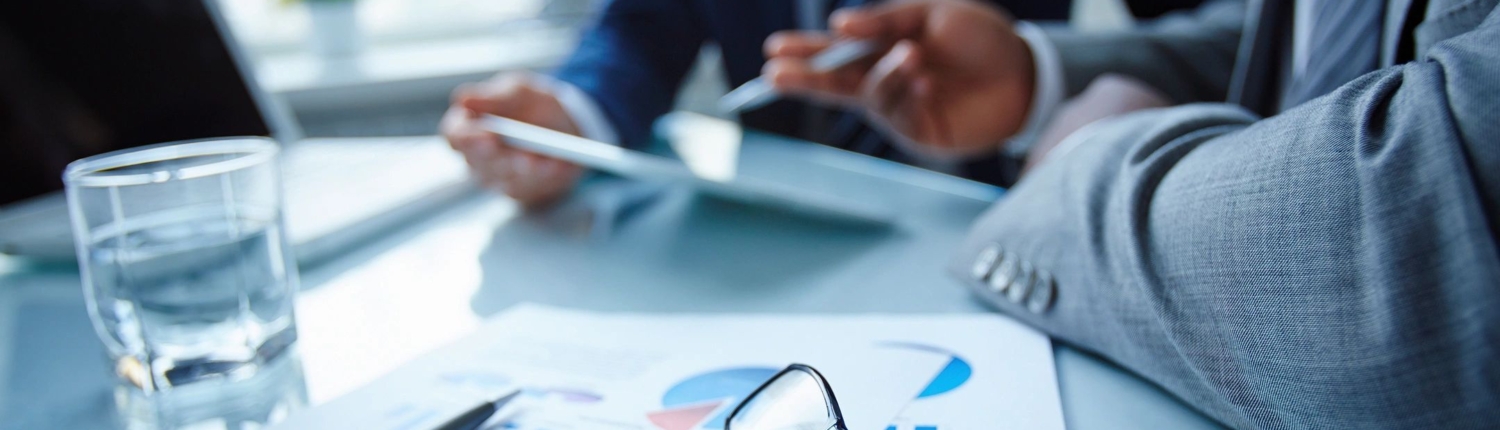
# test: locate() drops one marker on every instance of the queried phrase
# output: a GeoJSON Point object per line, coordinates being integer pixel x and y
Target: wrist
{"type": "Point", "coordinates": [541, 105]}
{"type": "Point", "coordinates": [1024, 87]}
{"type": "Point", "coordinates": [581, 109]}
{"type": "Point", "coordinates": [1043, 77]}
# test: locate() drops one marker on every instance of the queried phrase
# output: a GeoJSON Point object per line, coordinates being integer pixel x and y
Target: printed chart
{"type": "Point", "coordinates": [704, 400]}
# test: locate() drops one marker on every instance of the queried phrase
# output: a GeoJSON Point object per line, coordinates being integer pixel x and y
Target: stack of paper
{"type": "Point", "coordinates": [583, 370]}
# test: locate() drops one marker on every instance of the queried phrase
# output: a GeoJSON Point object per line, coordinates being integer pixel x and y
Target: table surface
{"type": "Point", "coordinates": [615, 245]}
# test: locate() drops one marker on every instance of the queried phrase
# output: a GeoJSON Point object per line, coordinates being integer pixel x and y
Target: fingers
{"type": "Point", "coordinates": [532, 180]}
{"type": "Point", "coordinates": [525, 177]}
{"type": "Point", "coordinates": [485, 97]}
{"type": "Point", "coordinates": [456, 125]}
{"type": "Point", "coordinates": [461, 128]}
{"type": "Point", "coordinates": [550, 177]}
{"type": "Point", "coordinates": [882, 22]}
{"type": "Point", "coordinates": [887, 82]}
{"type": "Point", "coordinates": [789, 71]}
{"type": "Point", "coordinates": [933, 125]}
{"type": "Point", "coordinates": [887, 88]}
{"type": "Point", "coordinates": [460, 124]}
{"type": "Point", "coordinates": [796, 77]}
{"type": "Point", "coordinates": [797, 44]}
{"type": "Point", "coordinates": [901, 95]}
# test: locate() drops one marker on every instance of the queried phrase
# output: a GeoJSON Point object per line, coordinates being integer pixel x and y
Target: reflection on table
{"type": "Point", "coordinates": [616, 245]}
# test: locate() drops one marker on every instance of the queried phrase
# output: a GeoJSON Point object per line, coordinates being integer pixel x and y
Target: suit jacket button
{"type": "Point", "coordinates": [1004, 274]}
{"type": "Point", "coordinates": [1021, 286]}
{"type": "Point", "coordinates": [1043, 292]}
{"type": "Point", "coordinates": [986, 262]}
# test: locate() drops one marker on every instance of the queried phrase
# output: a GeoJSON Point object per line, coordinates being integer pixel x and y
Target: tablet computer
{"type": "Point", "coordinates": [722, 182]}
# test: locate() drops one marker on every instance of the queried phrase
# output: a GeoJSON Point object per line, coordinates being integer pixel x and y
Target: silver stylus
{"type": "Point", "coordinates": [758, 92]}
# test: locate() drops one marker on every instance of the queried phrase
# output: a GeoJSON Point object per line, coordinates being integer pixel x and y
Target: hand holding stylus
{"type": "Point", "coordinates": [759, 92]}
{"type": "Point", "coordinates": [957, 81]}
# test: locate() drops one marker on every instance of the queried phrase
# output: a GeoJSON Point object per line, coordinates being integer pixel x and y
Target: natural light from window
{"type": "Point", "coordinates": [271, 27]}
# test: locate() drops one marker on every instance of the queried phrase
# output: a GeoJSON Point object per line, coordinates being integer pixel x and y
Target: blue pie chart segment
{"type": "Point", "coordinates": [955, 374]}
{"type": "Point", "coordinates": [728, 385]}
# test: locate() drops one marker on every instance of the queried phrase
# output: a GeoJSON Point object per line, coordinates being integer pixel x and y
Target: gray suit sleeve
{"type": "Point", "coordinates": [1335, 266]}
{"type": "Point", "coordinates": [1190, 56]}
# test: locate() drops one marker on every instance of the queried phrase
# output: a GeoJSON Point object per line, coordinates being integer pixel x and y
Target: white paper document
{"type": "Point", "coordinates": [584, 370]}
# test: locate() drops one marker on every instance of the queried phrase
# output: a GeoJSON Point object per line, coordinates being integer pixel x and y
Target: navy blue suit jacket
{"type": "Point", "coordinates": [633, 61]}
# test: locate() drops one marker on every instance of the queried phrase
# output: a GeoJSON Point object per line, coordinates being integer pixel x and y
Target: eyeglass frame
{"type": "Point", "coordinates": [833, 401]}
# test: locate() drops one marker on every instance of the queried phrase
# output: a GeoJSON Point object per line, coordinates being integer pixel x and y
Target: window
{"type": "Point", "coordinates": [272, 27]}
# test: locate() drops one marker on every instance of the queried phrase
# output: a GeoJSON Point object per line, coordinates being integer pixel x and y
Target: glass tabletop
{"type": "Point", "coordinates": [615, 245]}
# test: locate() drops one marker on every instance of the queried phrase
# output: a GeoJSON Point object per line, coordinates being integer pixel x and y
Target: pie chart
{"type": "Point", "coordinates": [705, 400]}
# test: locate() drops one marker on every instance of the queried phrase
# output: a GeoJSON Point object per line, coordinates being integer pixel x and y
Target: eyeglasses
{"type": "Point", "coordinates": [797, 398]}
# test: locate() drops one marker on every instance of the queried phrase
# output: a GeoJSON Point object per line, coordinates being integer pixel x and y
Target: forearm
{"type": "Point", "coordinates": [1333, 266]}
{"type": "Point", "coordinates": [632, 63]}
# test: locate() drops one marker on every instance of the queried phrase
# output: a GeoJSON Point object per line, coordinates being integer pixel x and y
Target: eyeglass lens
{"type": "Point", "coordinates": [793, 401]}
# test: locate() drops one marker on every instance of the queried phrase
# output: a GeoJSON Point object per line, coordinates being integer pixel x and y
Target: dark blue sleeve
{"type": "Point", "coordinates": [634, 59]}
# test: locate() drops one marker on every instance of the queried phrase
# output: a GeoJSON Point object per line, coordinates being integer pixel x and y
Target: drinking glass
{"type": "Point", "coordinates": [185, 268]}
{"type": "Point", "coordinates": [260, 401]}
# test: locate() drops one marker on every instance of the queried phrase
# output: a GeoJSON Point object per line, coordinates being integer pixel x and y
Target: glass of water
{"type": "Point", "coordinates": [185, 267]}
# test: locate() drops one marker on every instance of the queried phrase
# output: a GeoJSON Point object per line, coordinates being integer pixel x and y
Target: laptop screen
{"type": "Point", "coordinates": [84, 77]}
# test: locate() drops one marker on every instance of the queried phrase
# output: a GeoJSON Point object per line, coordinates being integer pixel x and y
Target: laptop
{"type": "Point", "coordinates": [84, 77]}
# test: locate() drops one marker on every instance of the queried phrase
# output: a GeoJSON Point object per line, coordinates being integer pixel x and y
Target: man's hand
{"type": "Point", "coordinates": [956, 82]}
{"type": "Point", "coordinates": [531, 179]}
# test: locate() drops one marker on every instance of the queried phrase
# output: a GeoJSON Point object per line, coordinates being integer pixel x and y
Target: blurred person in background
{"type": "Point", "coordinates": [631, 63]}
{"type": "Point", "coordinates": [1309, 242]}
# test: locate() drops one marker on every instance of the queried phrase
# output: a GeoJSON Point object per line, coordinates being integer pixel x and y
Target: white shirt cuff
{"type": "Point", "coordinates": [1047, 93]}
{"type": "Point", "coordinates": [583, 109]}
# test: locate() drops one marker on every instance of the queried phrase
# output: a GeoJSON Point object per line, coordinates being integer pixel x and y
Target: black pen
{"type": "Point", "coordinates": [473, 418]}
